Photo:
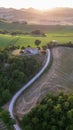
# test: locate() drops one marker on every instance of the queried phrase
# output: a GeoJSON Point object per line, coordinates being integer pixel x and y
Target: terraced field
{"type": "Point", "coordinates": [58, 78]}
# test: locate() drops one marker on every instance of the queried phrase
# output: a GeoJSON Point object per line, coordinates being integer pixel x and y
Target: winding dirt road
{"type": "Point", "coordinates": [13, 101]}
{"type": "Point", "coordinates": [58, 78]}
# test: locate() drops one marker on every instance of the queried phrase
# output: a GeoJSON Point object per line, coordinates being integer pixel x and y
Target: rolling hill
{"type": "Point", "coordinates": [62, 16]}
{"type": "Point", "coordinates": [58, 79]}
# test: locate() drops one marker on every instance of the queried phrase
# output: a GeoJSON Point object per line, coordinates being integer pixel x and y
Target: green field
{"type": "Point", "coordinates": [61, 33]}
{"type": "Point", "coordinates": [6, 40]}
{"type": "Point", "coordinates": [31, 27]}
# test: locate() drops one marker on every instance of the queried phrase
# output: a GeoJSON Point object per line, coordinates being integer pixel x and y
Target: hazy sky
{"type": "Point", "coordinates": [38, 4]}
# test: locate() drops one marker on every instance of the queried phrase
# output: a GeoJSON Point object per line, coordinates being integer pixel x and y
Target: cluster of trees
{"type": "Point", "coordinates": [5, 117]}
{"type": "Point", "coordinates": [38, 33]}
{"type": "Point", "coordinates": [52, 113]}
{"type": "Point", "coordinates": [17, 32]}
{"type": "Point", "coordinates": [13, 33]}
{"type": "Point", "coordinates": [14, 72]}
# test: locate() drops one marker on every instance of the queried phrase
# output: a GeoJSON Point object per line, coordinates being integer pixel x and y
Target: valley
{"type": "Point", "coordinates": [26, 35]}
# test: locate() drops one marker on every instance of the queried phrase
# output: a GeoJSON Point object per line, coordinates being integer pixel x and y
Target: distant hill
{"type": "Point", "coordinates": [62, 16]}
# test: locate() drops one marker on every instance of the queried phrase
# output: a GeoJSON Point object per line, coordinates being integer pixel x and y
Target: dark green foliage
{"type": "Point", "coordinates": [38, 33]}
{"type": "Point", "coordinates": [5, 117]}
{"type": "Point", "coordinates": [52, 113]}
{"type": "Point", "coordinates": [37, 42]}
{"type": "Point", "coordinates": [17, 32]}
{"type": "Point", "coordinates": [14, 73]}
{"type": "Point", "coordinates": [56, 44]}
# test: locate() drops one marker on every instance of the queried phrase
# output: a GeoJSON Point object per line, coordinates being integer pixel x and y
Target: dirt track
{"type": "Point", "coordinates": [58, 78]}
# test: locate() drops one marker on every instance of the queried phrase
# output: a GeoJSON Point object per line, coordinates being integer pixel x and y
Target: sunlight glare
{"type": "Point", "coordinates": [44, 4]}
{"type": "Point", "coordinates": [37, 4]}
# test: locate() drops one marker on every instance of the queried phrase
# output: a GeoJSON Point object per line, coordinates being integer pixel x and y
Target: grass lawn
{"type": "Point", "coordinates": [6, 40]}
{"type": "Point", "coordinates": [61, 33]}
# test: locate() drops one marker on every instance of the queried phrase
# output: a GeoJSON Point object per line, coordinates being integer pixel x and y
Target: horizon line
{"type": "Point", "coordinates": [35, 8]}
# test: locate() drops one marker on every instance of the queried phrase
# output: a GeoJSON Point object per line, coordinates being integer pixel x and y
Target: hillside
{"type": "Point", "coordinates": [55, 16]}
{"type": "Point", "coordinates": [58, 78]}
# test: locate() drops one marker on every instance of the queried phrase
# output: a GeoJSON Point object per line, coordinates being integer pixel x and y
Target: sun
{"type": "Point", "coordinates": [37, 4]}
{"type": "Point", "coordinates": [44, 4]}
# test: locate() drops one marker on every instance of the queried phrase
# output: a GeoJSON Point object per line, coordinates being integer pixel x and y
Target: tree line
{"type": "Point", "coordinates": [19, 32]}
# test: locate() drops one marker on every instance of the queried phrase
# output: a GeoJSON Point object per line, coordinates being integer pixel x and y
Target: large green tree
{"type": "Point", "coordinates": [52, 113]}
{"type": "Point", "coordinates": [37, 42]}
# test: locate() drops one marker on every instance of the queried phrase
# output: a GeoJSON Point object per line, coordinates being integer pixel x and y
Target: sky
{"type": "Point", "coordinates": [37, 4]}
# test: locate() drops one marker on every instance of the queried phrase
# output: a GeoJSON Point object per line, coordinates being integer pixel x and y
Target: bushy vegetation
{"type": "Point", "coordinates": [7, 120]}
{"type": "Point", "coordinates": [56, 44]}
{"type": "Point", "coordinates": [38, 33]}
{"type": "Point", "coordinates": [14, 72]}
{"type": "Point", "coordinates": [52, 113]}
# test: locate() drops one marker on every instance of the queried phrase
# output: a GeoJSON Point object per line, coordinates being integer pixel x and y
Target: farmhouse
{"type": "Point", "coordinates": [30, 51]}
{"type": "Point", "coordinates": [33, 51]}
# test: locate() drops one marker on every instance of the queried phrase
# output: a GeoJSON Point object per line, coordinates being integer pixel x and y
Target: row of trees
{"type": "Point", "coordinates": [19, 32]}
{"type": "Point", "coordinates": [14, 33]}
{"type": "Point", "coordinates": [52, 44]}
{"type": "Point", "coordinates": [52, 113]}
{"type": "Point", "coordinates": [14, 72]}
